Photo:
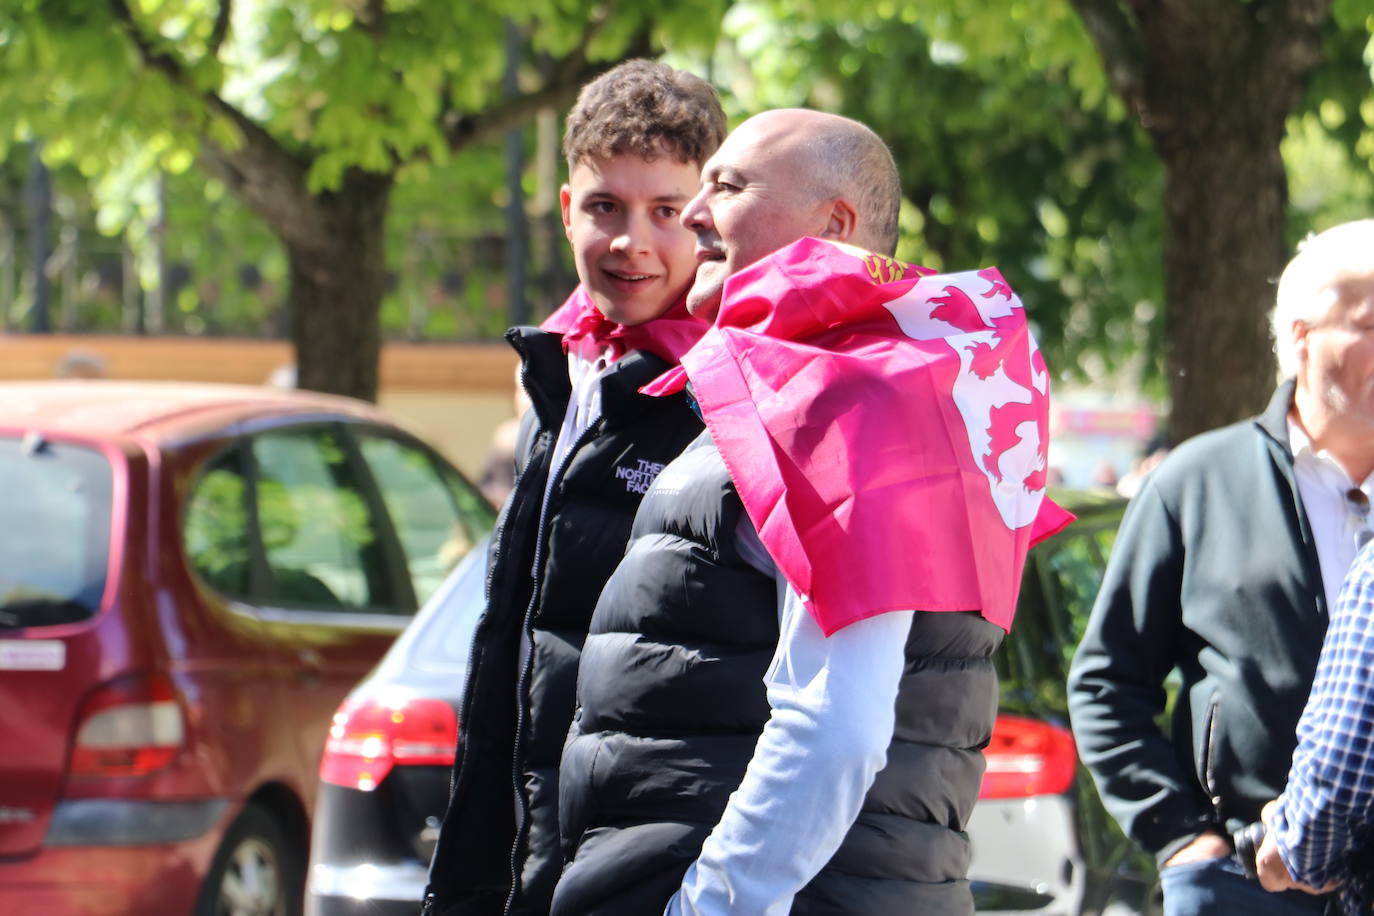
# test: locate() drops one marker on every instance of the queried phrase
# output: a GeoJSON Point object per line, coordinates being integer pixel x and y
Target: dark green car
{"type": "Point", "coordinates": [1042, 842]}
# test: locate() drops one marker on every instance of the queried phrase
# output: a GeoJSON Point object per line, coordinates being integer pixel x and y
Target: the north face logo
{"type": "Point", "coordinates": [639, 476]}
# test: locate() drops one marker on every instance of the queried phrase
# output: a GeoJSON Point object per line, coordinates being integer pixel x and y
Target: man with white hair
{"type": "Point", "coordinates": [1226, 565]}
{"type": "Point", "coordinates": [1319, 830]}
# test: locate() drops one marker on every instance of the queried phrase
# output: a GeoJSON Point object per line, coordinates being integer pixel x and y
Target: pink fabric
{"type": "Point", "coordinates": [885, 426]}
{"type": "Point", "coordinates": [584, 328]}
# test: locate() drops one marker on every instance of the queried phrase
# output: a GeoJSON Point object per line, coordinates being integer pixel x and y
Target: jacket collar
{"type": "Point", "coordinates": [620, 398]}
{"type": "Point", "coordinates": [544, 374]}
{"type": "Point", "coordinates": [1273, 423]}
{"type": "Point", "coordinates": [1274, 420]}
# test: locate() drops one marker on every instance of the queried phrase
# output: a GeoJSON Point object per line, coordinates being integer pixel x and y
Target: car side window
{"type": "Point", "coordinates": [215, 529]}
{"type": "Point", "coordinates": [1077, 575]}
{"type": "Point", "coordinates": [438, 517]}
{"type": "Point", "coordinates": [318, 533]}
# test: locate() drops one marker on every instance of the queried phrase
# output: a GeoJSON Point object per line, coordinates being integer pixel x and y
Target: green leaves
{"type": "Point", "coordinates": [1015, 150]}
{"type": "Point", "coordinates": [1011, 149]}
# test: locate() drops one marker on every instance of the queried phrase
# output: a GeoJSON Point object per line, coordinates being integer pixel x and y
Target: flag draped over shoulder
{"type": "Point", "coordinates": [584, 327]}
{"type": "Point", "coordinates": [886, 428]}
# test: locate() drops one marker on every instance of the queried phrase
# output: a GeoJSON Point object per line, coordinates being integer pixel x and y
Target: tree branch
{"type": "Point", "coordinates": [270, 180]}
{"type": "Point", "coordinates": [1293, 42]}
{"type": "Point", "coordinates": [221, 27]}
{"type": "Point", "coordinates": [271, 184]}
{"type": "Point", "coordinates": [371, 15]}
{"type": "Point", "coordinates": [1119, 45]}
{"type": "Point", "coordinates": [162, 61]}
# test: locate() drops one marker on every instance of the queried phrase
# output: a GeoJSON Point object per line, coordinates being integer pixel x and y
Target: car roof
{"type": "Point", "coordinates": [1084, 503]}
{"type": "Point", "coordinates": [162, 410]}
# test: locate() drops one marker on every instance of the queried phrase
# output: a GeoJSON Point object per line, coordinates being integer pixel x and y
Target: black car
{"type": "Point", "coordinates": [1041, 841]}
{"type": "Point", "coordinates": [384, 776]}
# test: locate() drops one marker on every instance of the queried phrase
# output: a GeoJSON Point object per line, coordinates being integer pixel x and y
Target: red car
{"type": "Point", "coordinates": [191, 580]}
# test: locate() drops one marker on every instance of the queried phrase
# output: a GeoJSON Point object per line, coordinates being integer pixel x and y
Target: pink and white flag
{"type": "Point", "coordinates": [586, 330]}
{"type": "Point", "coordinates": [886, 428]}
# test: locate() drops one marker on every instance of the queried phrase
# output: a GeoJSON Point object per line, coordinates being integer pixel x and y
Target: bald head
{"type": "Point", "coordinates": [781, 176]}
{"type": "Point", "coordinates": [833, 156]}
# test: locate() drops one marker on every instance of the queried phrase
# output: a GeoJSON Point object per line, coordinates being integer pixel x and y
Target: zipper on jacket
{"type": "Point", "coordinates": [536, 573]}
{"type": "Point", "coordinates": [495, 551]}
{"type": "Point", "coordinates": [493, 560]}
{"type": "Point", "coordinates": [503, 540]}
{"type": "Point", "coordinates": [1209, 758]}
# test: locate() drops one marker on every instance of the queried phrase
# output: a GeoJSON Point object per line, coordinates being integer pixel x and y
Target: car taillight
{"type": "Point", "coordinates": [371, 736]}
{"type": "Point", "coordinates": [129, 727]}
{"type": "Point", "coordinates": [1027, 757]}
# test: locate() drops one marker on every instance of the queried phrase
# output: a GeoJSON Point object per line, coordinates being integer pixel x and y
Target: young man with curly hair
{"type": "Point", "coordinates": [589, 447]}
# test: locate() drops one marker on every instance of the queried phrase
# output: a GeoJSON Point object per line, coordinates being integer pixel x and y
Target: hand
{"type": "Point", "coordinates": [1209, 845]}
{"type": "Point", "coordinates": [1273, 874]}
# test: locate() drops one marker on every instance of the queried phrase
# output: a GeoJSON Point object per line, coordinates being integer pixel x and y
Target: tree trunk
{"type": "Point", "coordinates": [1213, 82]}
{"type": "Point", "coordinates": [337, 280]}
{"type": "Point", "coordinates": [1224, 202]}
{"type": "Point", "coordinates": [1221, 80]}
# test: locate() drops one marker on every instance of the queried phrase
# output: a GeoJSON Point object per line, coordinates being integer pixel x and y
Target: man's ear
{"type": "Point", "coordinates": [565, 204]}
{"type": "Point", "coordinates": [1300, 329]}
{"type": "Point", "coordinates": [842, 221]}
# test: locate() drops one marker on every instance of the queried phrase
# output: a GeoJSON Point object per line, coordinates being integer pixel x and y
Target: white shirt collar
{"type": "Point", "coordinates": [1321, 460]}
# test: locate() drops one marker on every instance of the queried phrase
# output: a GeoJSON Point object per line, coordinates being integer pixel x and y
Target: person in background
{"type": "Point", "coordinates": [1318, 835]}
{"type": "Point", "coordinates": [1226, 566]}
{"type": "Point", "coordinates": [84, 364]}
{"type": "Point", "coordinates": [1320, 829]}
{"type": "Point", "coordinates": [589, 447]}
{"type": "Point", "coordinates": [1141, 467]}
{"type": "Point", "coordinates": [498, 470]}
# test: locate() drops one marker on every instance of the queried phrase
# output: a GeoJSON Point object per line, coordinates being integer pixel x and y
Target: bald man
{"type": "Point", "coordinates": [724, 754]}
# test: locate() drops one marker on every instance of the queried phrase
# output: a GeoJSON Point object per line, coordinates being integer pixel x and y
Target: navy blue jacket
{"type": "Point", "coordinates": [1215, 575]}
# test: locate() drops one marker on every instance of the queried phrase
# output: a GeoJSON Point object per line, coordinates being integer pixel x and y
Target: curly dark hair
{"type": "Point", "coordinates": [647, 109]}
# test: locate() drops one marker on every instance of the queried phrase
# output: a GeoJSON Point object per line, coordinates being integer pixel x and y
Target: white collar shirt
{"type": "Point", "coordinates": [584, 409]}
{"type": "Point", "coordinates": [1337, 526]}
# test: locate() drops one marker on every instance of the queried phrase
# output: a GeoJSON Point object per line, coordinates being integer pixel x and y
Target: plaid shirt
{"type": "Point", "coordinates": [1327, 809]}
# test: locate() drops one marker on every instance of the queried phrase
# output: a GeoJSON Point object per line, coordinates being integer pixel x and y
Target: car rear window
{"type": "Point", "coordinates": [450, 616]}
{"type": "Point", "coordinates": [54, 531]}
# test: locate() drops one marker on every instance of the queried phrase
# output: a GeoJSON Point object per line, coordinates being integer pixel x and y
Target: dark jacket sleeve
{"type": "Point", "coordinates": [1116, 683]}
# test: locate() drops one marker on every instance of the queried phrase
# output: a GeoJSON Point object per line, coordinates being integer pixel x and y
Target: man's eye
{"type": "Point", "coordinates": [600, 207]}
{"type": "Point", "coordinates": [667, 212]}
{"type": "Point", "coordinates": [725, 186]}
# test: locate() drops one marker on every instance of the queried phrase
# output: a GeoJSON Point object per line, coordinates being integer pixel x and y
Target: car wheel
{"type": "Point", "coordinates": [255, 872]}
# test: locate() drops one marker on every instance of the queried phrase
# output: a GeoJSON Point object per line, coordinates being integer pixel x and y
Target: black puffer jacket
{"type": "Point", "coordinates": [543, 581]}
{"type": "Point", "coordinates": [907, 852]}
{"type": "Point", "coordinates": [672, 702]}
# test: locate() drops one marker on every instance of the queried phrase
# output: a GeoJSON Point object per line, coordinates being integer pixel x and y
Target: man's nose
{"type": "Point", "coordinates": [696, 216]}
{"type": "Point", "coordinates": [633, 237]}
